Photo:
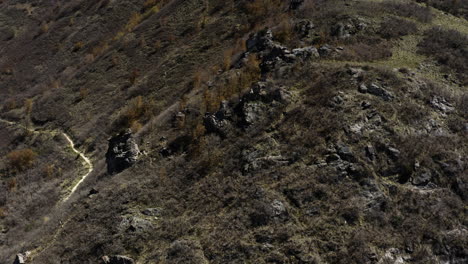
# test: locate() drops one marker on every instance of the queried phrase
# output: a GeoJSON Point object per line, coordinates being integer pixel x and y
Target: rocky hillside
{"type": "Point", "coordinates": [240, 131]}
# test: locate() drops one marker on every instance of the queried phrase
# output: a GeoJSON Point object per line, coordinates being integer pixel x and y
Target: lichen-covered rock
{"type": "Point", "coordinates": [122, 152]}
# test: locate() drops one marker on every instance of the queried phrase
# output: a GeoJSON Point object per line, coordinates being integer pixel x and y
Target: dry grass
{"type": "Point", "coordinates": [99, 49]}
{"type": "Point", "coordinates": [28, 105]}
{"type": "Point", "coordinates": [20, 160]}
{"type": "Point", "coordinates": [138, 111]}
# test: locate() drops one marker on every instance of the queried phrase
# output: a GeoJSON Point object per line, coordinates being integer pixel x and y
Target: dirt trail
{"type": "Point", "coordinates": [87, 162]}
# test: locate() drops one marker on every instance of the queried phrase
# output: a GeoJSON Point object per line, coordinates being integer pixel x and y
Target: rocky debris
{"type": "Point", "coordinates": [305, 53]}
{"type": "Point", "coordinates": [219, 122]}
{"type": "Point", "coordinates": [441, 104]}
{"type": "Point", "coordinates": [255, 159]}
{"type": "Point", "coordinates": [122, 152]}
{"type": "Point", "coordinates": [186, 251]}
{"type": "Point", "coordinates": [393, 152]}
{"type": "Point", "coordinates": [303, 29]}
{"type": "Point", "coordinates": [370, 152]}
{"type": "Point", "coordinates": [117, 259]}
{"type": "Point", "coordinates": [273, 54]}
{"type": "Point", "coordinates": [325, 50]}
{"type": "Point", "coordinates": [421, 178]}
{"type": "Point", "coordinates": [258, 106]}
{"type": "Point", "coordinates": [394, 255]}
{"type": "Point", "coordinates": [135, 224]}
{"type": "Point", "coordinates": [376, 90]}
{"type": "Point", "coordinates": [151, 211]}
{"type": "Point", "coordinates": [356, 72]}
{"type": "Point", "coordinates": [345, 152]}
{"type": "Point", "coordinates": [278, 208]}
{"type": "Point", "coordinates": [362, 88]}
{"type": "Point", "coordinates": [347, 28]}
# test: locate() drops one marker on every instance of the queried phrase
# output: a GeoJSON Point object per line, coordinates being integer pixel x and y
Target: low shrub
{"type": "Point", "coordinates": [396, 27]}
{"type": "Point", "coordinates": [448, 47]}
{"type": "Point", "coordinates": [366, 52]}
{"type": "Point", "coordinates": [408, 9]}
{"type": "Point", "coordinates": [456, 7]}
{"type": "Point", "coordinates": [20, 160]}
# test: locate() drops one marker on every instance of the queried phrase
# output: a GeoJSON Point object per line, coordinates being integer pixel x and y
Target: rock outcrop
{"type": "Point", "coordinates": [122, 152]}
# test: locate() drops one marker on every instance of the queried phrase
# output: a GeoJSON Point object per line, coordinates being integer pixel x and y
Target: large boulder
{"type": "Point", "coordinates": [20, 259]}
{"type": "Point", "coordinates": [122, 153]}
{"type": "Point", "coordinates": [117, 259]}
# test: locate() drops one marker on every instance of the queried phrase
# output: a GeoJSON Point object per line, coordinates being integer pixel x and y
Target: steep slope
{"type": "Point", "coordinates": [270, 131]}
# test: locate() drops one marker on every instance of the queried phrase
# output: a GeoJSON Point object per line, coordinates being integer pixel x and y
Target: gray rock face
{"type": "Point", "coordinates": [135, 224]}
{"type": "Point", "coordinates": [441, 104]}
{"type": "Point", "coordinates": [122, 152]}
{"type": "Point", "coordinates": [117, 259]}
{"type": "Point", "coordinates": [379, 91]}
{"type": "Point", "coordinates": [325, 50]}
{"type": "Point", "coordinates": [304, 28]}
{"type": "Point", "coordinates": [20, 259]}
{"type": "Point", "coordinates": [305, 53]}
{"type": "Point", "coordinates": [272, 53]}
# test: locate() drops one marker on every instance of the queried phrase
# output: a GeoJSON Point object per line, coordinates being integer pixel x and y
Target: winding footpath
{"type": "Point", "coordinates": [87, 162]}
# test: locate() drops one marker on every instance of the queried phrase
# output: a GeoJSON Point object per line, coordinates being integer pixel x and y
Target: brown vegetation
{"type": "Point", "coordinates": [20, 160]}
{"type": "Point", "coordinates": [448, 47]}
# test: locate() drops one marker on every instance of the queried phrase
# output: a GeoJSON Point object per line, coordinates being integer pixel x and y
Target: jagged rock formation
{"type": "Point", "coordinates": [271, 131]}
{"type": "Point", "coordinates": [122, 152]}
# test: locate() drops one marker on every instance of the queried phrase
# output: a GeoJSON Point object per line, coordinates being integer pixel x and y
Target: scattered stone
{"type": "Point", "coordinates": [362, 88]}
{"type": "Point", "coordinates": [355, 72]}
{"type": "Point", "coordinates": [117, 259]}
{"type": "Point", "coordinates": [305, 53]}
{"type": "Point", "coordinates": [304, 28]}
{"type": "Point", "coordinates": [332, 157]}
{"type": "Point", "coordinates": [325, 50]}
{"type": "Point", "coordinates": [393, 152]}
{"type": "Point", "coordinates": [345, 152]}
{"type": "Point", "coordinates": [122, 152]}
{"type": "Point", "coordinates": [366, 105]}
{"type": "Point", "coordinates": [376, 90]}
{"type": "Point", "coordinates": [278, 208]}
{"type": "Point", "coordinates": [441, 104]}
{"type": "Point", "coordinates": [135, 224]}
{"type": "Point", "coordinates": [421, 179]}
{"type": "Point", "coordinates": [92, 192]}
{"type": "Point", "coordinates": [370, 152]}
{"type": "Point", "coordinates": [151, 212]}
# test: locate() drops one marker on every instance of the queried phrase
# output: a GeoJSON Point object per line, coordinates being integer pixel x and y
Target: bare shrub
{"type": "Point", "coordinates": [137, 111]}
{"type": "Point", "coordinates": [456, 7]}
{"type": "Point", "coordinates": [408, 9]}
{"type": "Point", "coordinates": [448, 47]}
{"type": "Point", "coordinates": [396, 27]}
{"type": "Point", "coordinates": [20, 160]}
{"type": "Point", "coordinates": [366, 52]}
